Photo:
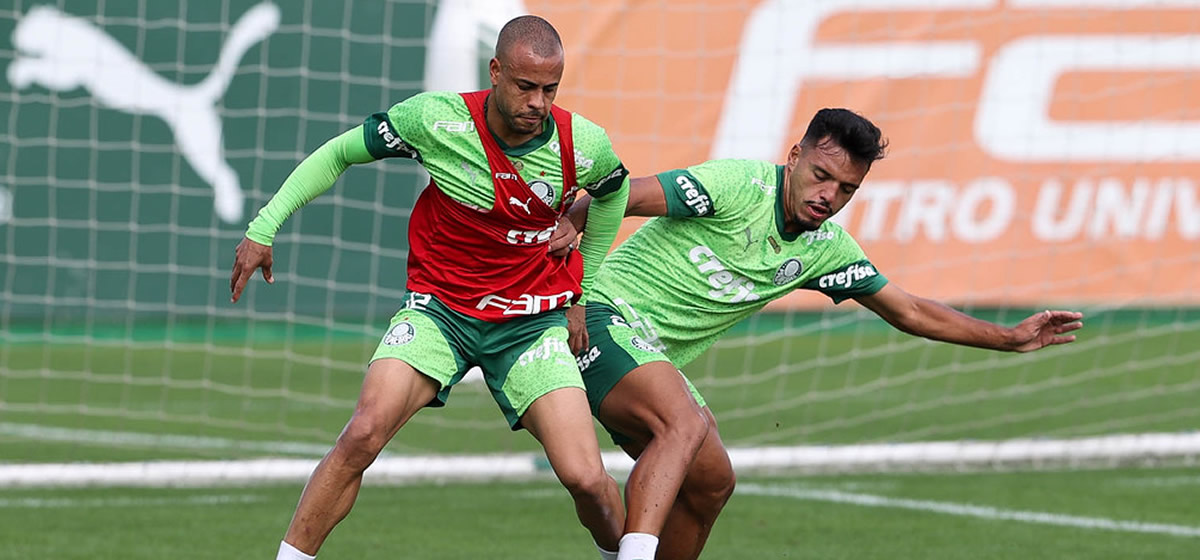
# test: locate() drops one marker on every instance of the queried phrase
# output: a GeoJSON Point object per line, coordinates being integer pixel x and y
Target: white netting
{"type": "Point", "coordinates": [133, 130]}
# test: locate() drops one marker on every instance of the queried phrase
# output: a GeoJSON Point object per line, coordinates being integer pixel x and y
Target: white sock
{"type": "Point", "coordinates": [606, 555]}
{"type": "Point", "coordinates": [289, 552]}
{"type": "Point", "coordinates": [638, 546]}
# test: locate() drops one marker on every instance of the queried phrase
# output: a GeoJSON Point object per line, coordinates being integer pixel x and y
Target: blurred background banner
{"type": "Point", "coordinates": [1043, 152]}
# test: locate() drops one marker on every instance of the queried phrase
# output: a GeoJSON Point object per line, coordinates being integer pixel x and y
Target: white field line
{"type": "Point", "coordinates": [39, 503]}
{"type": "Point", "coordinates": [881, 456]}
{"type": "Point", "coordinates": [399, 468]}
{"type": "Point", "coordinates": [262, 471]}
{"type": "Point", "coordinates": [941, 454]}
{"type": "Point", "coordinates": [969, 510]}
{"type": "Point", "coordinates": [159, 441]}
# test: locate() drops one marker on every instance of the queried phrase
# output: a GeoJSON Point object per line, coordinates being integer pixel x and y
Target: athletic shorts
{"type": "Point", "coordinates": [522, 359]}
{"type": "Point", "coordinates": [616, 348]}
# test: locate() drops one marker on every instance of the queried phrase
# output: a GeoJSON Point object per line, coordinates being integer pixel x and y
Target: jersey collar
{"type": "Point", "coordinates": [548, 128]}
{"type": "Point", "coordinates": [780, 218]}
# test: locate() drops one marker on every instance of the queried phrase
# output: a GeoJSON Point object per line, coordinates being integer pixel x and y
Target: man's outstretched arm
{"type": "Point", "coordinates": [936, 321]}
{"type": "Point", "coordinates": [645, 198]}
{"type": "Point", "coordinates": [313, 176]}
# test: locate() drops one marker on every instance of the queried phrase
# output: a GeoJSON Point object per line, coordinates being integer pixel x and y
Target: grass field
{"type": "Point", "coordinates": [533, 520]}
{"type": "Point", "coordinates": [778, 381]}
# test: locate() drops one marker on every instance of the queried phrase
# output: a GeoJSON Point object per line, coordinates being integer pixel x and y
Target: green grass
{"type": "Point", "coordinates": [534, 520]}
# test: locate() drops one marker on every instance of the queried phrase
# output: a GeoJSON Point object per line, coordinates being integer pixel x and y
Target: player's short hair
{"type": "Point", "coordinates": [861, 139]}
{"type": "Point", "coordinates": [529, 30]}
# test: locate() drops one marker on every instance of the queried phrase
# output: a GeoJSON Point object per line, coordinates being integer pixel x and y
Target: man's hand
{"type": "Point", "coordinates": [563, 240]}
{"type": "Point", "coordinates": [1045, 329]}
{"type": "Point", "coordinates": [577, 328]}
{"type": "Point", "coordinates": [250, 257]}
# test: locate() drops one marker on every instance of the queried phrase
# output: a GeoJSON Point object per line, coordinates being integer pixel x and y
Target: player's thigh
{"type": "Point", "coordinates": [649, 400]}
{"type": "Point", "coordinates": [561, 422]}
{"type": "Point", "coordinates": [535, 380]}
{"type": "Point", "coordinates": [630, 384]}
{"type": "Point", "coordinates": [711, 473]}
{"type": "Point", "coordinates": [712, 454]}
{"type": "Point", "coordinates": [614, 350]}
{"type": "Point", "coordinates": [710, 477]}
{"type": "Point", "coordinates": [430, 339]}
{"type": "Point", "coordinates": [392, 392]}
{"type": "Point", "coordinates": [527, 358]}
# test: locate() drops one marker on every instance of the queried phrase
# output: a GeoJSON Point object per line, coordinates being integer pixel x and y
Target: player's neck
{"type": "Point", "coordinates": [500, 129]}
{"type": "Point", "coordinates": [789, 225]}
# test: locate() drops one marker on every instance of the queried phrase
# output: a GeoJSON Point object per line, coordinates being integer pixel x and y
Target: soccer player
{"type": "Point", "coordinates": [482, 289]}
{"type": "Point", "coordinates": [725, 238]}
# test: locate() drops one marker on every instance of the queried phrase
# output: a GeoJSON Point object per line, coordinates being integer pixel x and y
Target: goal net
{"type": "Point", "coordinates": [1043, 155]}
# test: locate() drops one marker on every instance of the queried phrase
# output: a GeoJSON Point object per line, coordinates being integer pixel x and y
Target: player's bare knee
{"type": "Point", "coordinates": [709, 489]}
{"type": "Point", "coordinates": [692, 427]}
{"type": "Point", "coordinates": [686, 427]}
{"type": "Point", "coordinates": [724, 486]}
{"type": "Point", "coordinates": [361, 441]}
{"type": "Point", "coordinates": [586, 483]}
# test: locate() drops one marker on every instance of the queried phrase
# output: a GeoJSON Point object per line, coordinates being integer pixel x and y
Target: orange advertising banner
{"type": "Point", "coordinates": [1043, 152]}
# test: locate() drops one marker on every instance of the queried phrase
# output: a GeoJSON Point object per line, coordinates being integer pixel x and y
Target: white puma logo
{"type": "Point", "coordinates": [525, 205]}
{"type": "Point", "coordinates": [466, 167]}
{"type": "Point", "coordinates": [62, 52]}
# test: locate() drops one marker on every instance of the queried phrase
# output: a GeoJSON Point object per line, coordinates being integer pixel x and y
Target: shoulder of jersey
{"type": "Point", "coordinates": [751, 168]}
{"type": "Point", "coordinates": [438, 102]}
{"type": "Point", "coordinates": [756, 176]}
{"type": "Point", "coordinates": [581, 125]}
{"type": "Point", "coordinates": [764, 168]}
{"type": "Point", "coordinates": [438, 96]}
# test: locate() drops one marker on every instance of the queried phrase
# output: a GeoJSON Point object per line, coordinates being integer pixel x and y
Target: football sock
{"type": "Point", "coordinates": [637, 546]}
{"type": "Point", "coordinates": [289, 552]}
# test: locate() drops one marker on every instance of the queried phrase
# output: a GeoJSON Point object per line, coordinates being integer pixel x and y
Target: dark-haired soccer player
{"type": "Point", "coordinates": [482, 290]}
{"type": "Point", "coordinates": [726, 237]}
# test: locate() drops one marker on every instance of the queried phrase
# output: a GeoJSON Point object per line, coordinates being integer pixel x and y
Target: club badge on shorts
{"type": "Point", "coordinates": [402, 333]}
{"type": "Point", "coordinates": [641, 344]}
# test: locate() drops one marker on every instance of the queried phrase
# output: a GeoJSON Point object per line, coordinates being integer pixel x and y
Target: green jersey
{"type": "Point", "coordinates": [720, 254]}
{"type": "Point", "coordinates": [435, 128]}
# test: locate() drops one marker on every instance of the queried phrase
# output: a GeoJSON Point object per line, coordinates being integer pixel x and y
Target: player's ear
{"type": "Point", "coordinates": [794, 155]}
{"type": "Point", "coordinates": [494, 71]}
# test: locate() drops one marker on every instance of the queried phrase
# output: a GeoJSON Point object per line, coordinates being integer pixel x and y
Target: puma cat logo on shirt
{"type": "Point", "coordinates": [513, 200]}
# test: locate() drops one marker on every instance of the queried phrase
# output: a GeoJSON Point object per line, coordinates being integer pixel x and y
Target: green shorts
{"type": "Point", "coordinates": [617, 347]}
{"type": "Point", "coordinates": [521, 359]}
